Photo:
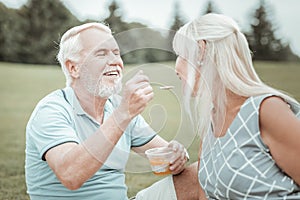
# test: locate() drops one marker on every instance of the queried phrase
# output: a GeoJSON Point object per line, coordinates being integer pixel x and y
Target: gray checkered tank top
{"type": "Point", "coordinates": [239, 165]}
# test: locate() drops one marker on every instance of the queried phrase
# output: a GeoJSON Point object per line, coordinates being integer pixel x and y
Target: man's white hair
{"type": "Point", "coordinates": [227, 64]}
{"type": "Point", "coordinates": [70, 46]}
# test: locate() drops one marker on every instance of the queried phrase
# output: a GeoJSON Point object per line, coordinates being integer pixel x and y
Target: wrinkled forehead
{"type": "Point", "coordinates": [93, 39]}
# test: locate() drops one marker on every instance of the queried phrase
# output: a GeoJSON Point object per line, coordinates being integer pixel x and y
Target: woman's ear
{"type": "Point", "coordinates": [73, 69]}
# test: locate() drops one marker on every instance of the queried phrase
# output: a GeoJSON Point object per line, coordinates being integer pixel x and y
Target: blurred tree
{"type": "Point", "coordinates": [140, 44]}
{"type": "Point", "coordinates": [137, 42]}
{"type": "Point", "coordinates": [211, 7]}
{"type": "Point", "coordinates": [178, 21]}
{"type": "Point", "coordinates": [262, 40]}
{"type": "Point", "coordinates": [114, 20]}
{"type": "Point", "coordinates": [9, 33]}
{"type": "Point", "coordinates": [42, 24]}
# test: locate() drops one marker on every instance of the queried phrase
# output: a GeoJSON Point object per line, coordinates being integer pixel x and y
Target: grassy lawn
{"type": "Point", "coordinates": [22, 86]}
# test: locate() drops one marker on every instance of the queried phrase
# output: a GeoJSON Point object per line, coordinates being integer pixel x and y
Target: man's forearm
{"type": "Point", "coordinates": [75, 164]}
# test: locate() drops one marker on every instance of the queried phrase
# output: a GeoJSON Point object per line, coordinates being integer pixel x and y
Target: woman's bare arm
{"type": "Point", "coordinates": [280, 130]}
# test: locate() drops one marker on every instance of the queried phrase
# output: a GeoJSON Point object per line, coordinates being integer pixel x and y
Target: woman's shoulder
{"type": "Point", "coordinates": [253, 103]}
{"type": "Point", "coordinates": [272, 100]}
{"type": "Point", "coordinates": [276, 116]}
{"type": "Point", "coordinates": [273, 104]}
{"type": "Point", "coordinates": [269, 103]}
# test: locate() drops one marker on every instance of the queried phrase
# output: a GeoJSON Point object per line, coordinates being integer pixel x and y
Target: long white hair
{"type": "Point", "coordinates": [227, 64]}
{"type": "Point", "coordinates": [70, 46]}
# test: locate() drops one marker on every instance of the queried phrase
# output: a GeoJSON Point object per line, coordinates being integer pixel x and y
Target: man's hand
{"type": "Point", "coordinates": [137, 93]}
{"type": "Point", "coordinates": [179, 159]}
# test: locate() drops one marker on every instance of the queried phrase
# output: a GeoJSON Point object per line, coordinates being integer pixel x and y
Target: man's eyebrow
{"type": "Point", "coordinates": [106, 49]}
{"type": "Point", "coordinates": [98, 50]}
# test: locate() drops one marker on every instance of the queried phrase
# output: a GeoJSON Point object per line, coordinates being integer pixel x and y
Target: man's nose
{"type": "Point", "coordinates": [113, 59]}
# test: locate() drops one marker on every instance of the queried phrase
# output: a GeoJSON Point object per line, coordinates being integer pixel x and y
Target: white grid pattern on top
{"type": "Point", "coordinates": [239, 166]}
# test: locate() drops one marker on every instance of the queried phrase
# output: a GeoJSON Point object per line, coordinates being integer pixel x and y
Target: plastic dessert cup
{"type": "Point", "coordinates": [159, 159]}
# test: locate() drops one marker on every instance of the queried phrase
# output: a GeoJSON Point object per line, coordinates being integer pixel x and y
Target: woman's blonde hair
{"type": "Point", "coordinates": [226, 65]}
{"type": "Point", "coordinates": [70, 46]}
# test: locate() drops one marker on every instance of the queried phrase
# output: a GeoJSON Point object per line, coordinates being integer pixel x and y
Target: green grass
{"type": "Point", "coordinates": [22, 86]}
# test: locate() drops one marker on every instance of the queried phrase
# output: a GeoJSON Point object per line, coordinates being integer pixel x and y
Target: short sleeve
{"type": "Point", "coordinates": [50, 126]}
{"type": "Point", "coordinates": [141, 132]}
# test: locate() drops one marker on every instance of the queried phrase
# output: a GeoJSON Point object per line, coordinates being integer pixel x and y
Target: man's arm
{"type": "Point", "coordinates": [74, 164]}
{"type": "Point", "coordinates": [157, 141]}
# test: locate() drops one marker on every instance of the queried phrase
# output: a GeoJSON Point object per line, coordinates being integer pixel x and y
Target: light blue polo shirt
{"type": "Point", "coordinates": [58, 119]}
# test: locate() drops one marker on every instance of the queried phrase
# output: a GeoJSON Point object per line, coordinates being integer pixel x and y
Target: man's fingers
{"type": "Point", "coordinates": [137, 93]}
{"type": "Point", "coordinates": [144, 96]}
{"type": "Point", "coordinates": [149, 96]}
{"type": "Point", "coordinates": [140, 85]}
{"type": "Point", "coordinates": [139, 77]}
{"type": "Point", "coordinates": [147, 90]}
{"type": "Point", "coordinates": [139, 81]}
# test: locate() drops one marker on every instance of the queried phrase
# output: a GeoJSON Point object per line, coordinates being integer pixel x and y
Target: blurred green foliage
{"type": "Point", "coordinates": [31, 33]}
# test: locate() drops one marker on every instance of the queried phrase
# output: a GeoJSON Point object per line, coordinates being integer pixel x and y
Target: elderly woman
{"type": "Point", "coordinates": [250, 132]}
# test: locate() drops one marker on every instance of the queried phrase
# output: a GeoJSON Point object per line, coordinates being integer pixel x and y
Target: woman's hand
{"type": "Point", "coordinates": [179, 159]}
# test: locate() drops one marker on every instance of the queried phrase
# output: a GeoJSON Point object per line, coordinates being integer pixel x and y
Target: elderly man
{"type": "Point", "coordinates": [78, 139]}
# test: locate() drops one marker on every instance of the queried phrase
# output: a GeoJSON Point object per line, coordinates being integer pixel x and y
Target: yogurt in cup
{"type": "Point", "coordinates": [159, 159]}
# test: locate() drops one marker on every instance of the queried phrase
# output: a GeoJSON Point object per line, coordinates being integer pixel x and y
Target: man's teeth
{"type": "Point", "coordinates": [114, 71]}
{"type": "Point", "coordinates": [111, 73]}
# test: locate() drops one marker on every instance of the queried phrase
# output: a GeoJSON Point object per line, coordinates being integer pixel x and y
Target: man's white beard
{"type": "Point", "coordinates": [106, 91]}
{"type": "Point", "coordinates": [100, 89]}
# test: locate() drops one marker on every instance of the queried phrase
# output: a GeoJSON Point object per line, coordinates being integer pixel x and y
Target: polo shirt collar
{"type": "Point", "coordinates": [74, 102]}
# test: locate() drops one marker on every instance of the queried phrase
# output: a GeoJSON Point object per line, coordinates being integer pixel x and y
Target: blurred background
{"type": "Point", "coordinates": [30, 31]}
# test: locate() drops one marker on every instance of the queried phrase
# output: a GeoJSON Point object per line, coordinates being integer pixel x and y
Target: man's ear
{"type": "Point", "coordinates": [72, 68]}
